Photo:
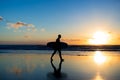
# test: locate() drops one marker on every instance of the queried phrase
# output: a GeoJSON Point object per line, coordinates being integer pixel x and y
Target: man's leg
{"type": "Point", "coordinates": [53, 54]}
{"type": "Point", "coordinates": [60, 55]}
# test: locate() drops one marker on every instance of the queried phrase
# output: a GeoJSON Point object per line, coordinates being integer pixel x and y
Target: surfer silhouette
{"type": "Point", "coordinates": [57, 47]}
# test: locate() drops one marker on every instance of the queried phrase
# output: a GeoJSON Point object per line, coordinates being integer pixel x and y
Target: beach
{"type": "Point", "coordinates": [77, 65]}
{"type": "Point", "coordinates": [84, 33]}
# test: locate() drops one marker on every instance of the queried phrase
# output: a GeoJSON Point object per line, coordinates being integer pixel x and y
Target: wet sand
{"type": "Point", "coordinates": [40, 67]}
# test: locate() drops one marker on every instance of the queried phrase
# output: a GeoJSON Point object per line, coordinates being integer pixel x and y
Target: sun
{"type": "Point", "coordinates": [99, 58]}
{"type": "Point", "coordinates": [99, 37]}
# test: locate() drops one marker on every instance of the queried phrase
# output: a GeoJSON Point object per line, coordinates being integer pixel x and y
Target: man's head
{"type": "Point", "coordinates": [59, 36]}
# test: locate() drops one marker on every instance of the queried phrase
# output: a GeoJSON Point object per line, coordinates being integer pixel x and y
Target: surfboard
{"type": "Point", "coordinates": [53, 45]}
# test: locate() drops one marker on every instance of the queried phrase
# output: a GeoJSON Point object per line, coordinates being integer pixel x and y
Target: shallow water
{"type": "Point", "coordinates": [77, 65]}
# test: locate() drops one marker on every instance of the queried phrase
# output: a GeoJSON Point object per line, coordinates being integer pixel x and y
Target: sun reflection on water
{"type": "Point", "coordinates": [99, 58]}
{"type": "Point", "coordinates": [98, 77]}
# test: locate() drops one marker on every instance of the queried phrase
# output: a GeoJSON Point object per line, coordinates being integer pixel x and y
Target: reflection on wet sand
{"type": "Point", "coordinates": [99, 58]}
{"type": "Point", "coordinates": [25, 65]}
{"type": "Point", "coordinates": [38, 67]}
{"type": "Point", "coordinates": [30, 66]}
{"type": "Point", "coordinates": [98, 77]}
{"type": "Point", "coordinates": [15, 70]}
{"type": "Point", "coordinates": [56, 74]}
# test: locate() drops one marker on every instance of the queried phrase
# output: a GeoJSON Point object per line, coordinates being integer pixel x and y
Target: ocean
{"type": "Point", "coordinates": [69, 48]}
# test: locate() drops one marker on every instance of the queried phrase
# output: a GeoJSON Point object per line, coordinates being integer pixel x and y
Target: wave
{"type": "Point", "coordinates": [69, 48]}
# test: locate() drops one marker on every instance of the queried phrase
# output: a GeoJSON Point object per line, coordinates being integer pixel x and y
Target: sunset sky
{"type": "Point", "coordinates": [78, 21]}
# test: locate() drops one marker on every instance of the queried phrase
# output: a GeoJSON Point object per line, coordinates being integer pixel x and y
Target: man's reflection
{"type": "Point", "coordinates": [56, 74]}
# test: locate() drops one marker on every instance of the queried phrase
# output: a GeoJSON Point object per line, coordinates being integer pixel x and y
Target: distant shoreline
{"type": "Point", "coordinates": [70, 47]}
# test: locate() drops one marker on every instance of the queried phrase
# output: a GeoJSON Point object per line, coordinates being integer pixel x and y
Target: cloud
{"type": "Point", "coordinates": [27, 37]}
{"type": "Point", "coordinates": [1, 18]}
{"type": "Point", "coordinates": [118, 38]}
{"type": "Point", "coordinates": [74, 40]}
{"type": "Point", "coordinates": [18, 25]}
{"type": "Point", "coordinates": [29, 25]}
{"type": "Point", "coordinates": [42, 29]}
{"type": "Point", "coordinates": [21, 25]}
{"type": "Point", "coordinates": [34, 29]}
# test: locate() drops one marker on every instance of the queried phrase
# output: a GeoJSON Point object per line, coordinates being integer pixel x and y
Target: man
{"type": "Point", "coordinates": [57, 47]}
